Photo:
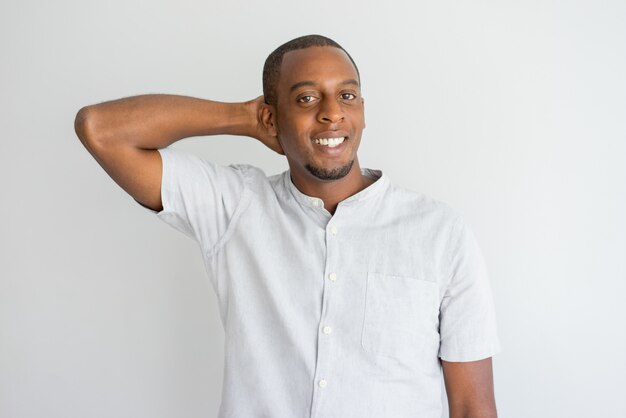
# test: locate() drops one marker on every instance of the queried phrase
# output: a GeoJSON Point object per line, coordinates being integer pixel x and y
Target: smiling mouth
{"type": "Point", "coordinates": [331, 142]}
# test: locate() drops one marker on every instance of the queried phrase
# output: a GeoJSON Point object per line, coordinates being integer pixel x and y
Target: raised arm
{"type": "Point", "coordinates": [123, 135]}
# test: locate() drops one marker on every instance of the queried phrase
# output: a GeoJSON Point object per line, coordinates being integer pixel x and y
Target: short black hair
{"type": "Point", "coordinates": [271, 69]}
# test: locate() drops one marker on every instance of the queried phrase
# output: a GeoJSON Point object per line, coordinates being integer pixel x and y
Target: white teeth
{"type": "Point", "coordinates": [330, 142]}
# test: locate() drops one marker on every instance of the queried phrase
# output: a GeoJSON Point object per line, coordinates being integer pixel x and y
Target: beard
{"type": "Point", "coordinates": [330, 174]}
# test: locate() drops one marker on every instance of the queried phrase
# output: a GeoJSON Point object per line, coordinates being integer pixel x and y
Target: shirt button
{"type": "Point", "coordinates": [322, 383]}
{"type": "Point", "coordinates": [333, 230]}
{"type": "Point", "coordinates": [327, 330]}
{"type": "Point", "coordinates": [332, 276]}
{"type": "Point", "coordinates": [315, 202]}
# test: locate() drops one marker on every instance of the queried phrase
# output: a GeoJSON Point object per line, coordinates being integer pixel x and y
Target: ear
{"type": "Point", "coordinates": [267, 116]}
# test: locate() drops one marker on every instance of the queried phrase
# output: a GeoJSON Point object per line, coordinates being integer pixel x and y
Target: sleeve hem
{"type": "Point", "coordinates": [472, 353]}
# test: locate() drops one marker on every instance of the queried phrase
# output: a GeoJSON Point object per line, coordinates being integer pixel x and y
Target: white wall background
{"type": "Point", "coordinates": [513, 112]}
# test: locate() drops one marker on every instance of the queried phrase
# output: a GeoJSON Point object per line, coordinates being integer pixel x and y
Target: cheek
{"type": "Point", "coordinates": [284, 124]}
{"type": "Point", "coordinates": [291, 128]}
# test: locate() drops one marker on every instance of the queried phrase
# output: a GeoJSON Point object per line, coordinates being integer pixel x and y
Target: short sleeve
{"type": "Point", "coordinates": [467, 322]}
{"type": "Point", "coordinates": [200, 198]}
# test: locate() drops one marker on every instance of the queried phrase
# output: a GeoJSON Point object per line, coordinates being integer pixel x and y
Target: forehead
{"type": "Point", "coordinates": [320, 64]}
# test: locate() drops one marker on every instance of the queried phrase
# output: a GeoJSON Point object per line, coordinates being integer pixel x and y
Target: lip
{"type": "Point", "coordinates": [331, 134]}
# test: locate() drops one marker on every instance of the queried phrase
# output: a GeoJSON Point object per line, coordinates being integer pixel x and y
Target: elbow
{"type": "Point", "coordinates": [93, 127]}
{"type": "Point", "coordinates": [82, 121]}
{"type": "Point", "coordinates": [88, 127]}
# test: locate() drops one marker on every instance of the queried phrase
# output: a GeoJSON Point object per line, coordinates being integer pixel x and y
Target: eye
{"type": "Point", "coordinates": [348, 96]}
{"type": "Point", "coordinates": [305, 99]}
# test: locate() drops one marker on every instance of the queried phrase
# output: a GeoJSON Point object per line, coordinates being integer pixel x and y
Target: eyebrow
{"type": "Point", "coordinates": [313, 83]}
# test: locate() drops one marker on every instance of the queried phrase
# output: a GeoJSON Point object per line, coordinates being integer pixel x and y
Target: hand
{"type": "Point", "coordinates": [258, 129]}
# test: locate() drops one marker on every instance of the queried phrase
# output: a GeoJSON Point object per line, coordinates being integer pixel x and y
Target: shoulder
{"type": "Point", "coordinates": [182, 158]}
{"type": "Point", "coordinates": [422, 209]}
{"type": "Point", "coordinates": [260, 186]}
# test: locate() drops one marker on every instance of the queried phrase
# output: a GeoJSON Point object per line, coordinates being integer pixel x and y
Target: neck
{"type": "Point", "coordinates": [332, 191]}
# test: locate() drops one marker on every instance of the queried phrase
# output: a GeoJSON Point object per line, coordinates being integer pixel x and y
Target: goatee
{"type": "Point", "coordinates": [330, 174]}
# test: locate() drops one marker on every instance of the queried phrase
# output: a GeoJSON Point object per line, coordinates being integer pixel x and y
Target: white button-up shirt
{"type": "Point", "coordinates": [342, 315]}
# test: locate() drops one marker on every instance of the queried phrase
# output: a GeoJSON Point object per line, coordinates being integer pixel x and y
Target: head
{"type": "Point", "coordinates": [272, 67]}
{"type": "Point", "coordinates": [312, 92]}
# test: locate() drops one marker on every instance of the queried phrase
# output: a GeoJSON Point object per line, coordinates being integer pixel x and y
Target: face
{"type": "Point", "coordinates": [319, 116]}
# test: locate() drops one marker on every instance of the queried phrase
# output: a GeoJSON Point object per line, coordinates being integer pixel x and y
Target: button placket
{"type": "Point", "coordinates": [325, 342]}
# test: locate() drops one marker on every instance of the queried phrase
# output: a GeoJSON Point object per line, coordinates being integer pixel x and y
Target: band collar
{"type": "Point", "coordinates": [376, 188]}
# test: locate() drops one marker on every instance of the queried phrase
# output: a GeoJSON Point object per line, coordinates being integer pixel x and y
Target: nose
{"type": "Point", "coordinates": [330, 111]}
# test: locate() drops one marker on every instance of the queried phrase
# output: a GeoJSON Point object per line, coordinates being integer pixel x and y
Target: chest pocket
{"type": "Point", "coordinates": [401, 318]}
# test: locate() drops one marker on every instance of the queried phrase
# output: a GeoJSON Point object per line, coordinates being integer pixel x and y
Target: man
{"type": "Point", "coordinates": [341, 295]}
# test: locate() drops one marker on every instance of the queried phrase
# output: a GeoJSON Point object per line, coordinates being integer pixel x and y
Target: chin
{"type": "Point", "coordinates": [334, 173]}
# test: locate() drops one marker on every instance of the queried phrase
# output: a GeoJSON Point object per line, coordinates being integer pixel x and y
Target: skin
{"type": "Point", "coordinates": [469, 386]}
{"type": "Point", "coordinates": [123, 136]}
